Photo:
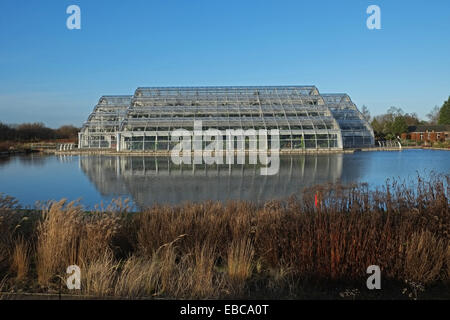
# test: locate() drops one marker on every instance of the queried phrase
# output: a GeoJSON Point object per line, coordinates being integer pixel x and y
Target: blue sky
{"type": "Point", "coordinates": [54, 75]}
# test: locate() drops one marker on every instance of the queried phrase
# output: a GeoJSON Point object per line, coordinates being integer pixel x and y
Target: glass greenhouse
{"type": "Point", "coordinates": [305, 118]}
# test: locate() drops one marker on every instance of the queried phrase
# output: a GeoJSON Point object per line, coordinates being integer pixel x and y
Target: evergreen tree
{"type": "Point", "coordinates": [444, 114]}
{"type": "Point", "coordinates": [399, 126]}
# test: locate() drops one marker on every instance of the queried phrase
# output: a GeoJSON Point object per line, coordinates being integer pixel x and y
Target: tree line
{"type": "Point", "coordinates": [33, 132]}
{"type": "Point", "coordinates": [395, 121]}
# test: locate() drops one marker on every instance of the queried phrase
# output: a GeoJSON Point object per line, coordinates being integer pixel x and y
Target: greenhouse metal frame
{"type": "Point", "coordinates": [306, 119]}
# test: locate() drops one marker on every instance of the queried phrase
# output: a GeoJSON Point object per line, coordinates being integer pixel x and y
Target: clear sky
{"type": "Point", "coordinates": [54, 75]}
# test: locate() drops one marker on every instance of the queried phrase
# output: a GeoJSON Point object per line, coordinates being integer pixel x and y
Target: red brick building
{"type": "Point", "coordinates": [427, 133]}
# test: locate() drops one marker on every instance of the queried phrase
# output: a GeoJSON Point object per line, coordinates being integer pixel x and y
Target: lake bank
{"type": "Point", "coordinates": [281, 152]}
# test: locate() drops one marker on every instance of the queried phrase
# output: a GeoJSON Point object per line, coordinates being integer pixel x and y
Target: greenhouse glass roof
{"type": "Point", "coordinates": [299, 112]}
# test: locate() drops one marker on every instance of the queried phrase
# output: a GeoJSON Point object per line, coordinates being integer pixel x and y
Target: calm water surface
{"type": "Point", "coordinates": [147, 180]}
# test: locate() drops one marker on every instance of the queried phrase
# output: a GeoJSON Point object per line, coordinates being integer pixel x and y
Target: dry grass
{"type": "Point", "coordinates": [159, 275]}
{"type": "Point", "coordinates": [425, 257]}
{"type": "Point", "coordinates": [20, 259]}
{"type": "Point", "coordinates": [138, 277]}
{"type": "Point", "coordinates": [240, 263]}
{"type": "Point", "coordinates": [196, 276]}
{"type": "Point", "coordinates": [67, 236]}
{"type": "Point", "coordinates": [448, 263]}
{"type": "Point", "coordinates": [98, 276]}
{"type": "Point", "coordinates": [190, 274]}
{"type": "Point", "coordinates": [4, 256]}
{"type": "Point", "coordinates": [57, 236]}
{"type": "Point", "coordinates": [238, 249]}
{"type": "Point", "coordinates": [14, 251]}
{"type": "Point", "coordinates": [2, 286]}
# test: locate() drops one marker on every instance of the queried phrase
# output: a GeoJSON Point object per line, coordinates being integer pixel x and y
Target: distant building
{"type": "Point", "coordinates": [427, 133]}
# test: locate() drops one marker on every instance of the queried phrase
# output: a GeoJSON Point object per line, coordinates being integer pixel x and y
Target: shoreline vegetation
{"type": "Point", "coordinates": [318, 247]}
{"type": "Point", "coordinates": [281, 152]}
{"type": "Point", "coordinates": [24, 138]}
{"type": "Point", "coordinates": [50, 148]}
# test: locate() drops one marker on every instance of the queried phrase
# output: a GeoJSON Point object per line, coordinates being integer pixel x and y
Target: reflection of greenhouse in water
{"type": "Point", "coordinates": [305, 118]}
{"type": "Point", "coordinates": [156, 179]}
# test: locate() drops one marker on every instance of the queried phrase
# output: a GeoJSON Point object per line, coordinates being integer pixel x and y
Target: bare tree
{"type": "Point", "coordinates": [366, 113]}
{"type": "Point", "coordinates": [433, 115]}
{"type": "Point", "coordinates": [394, 111]}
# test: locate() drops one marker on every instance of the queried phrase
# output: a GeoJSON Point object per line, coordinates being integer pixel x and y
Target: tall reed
{"type": "Point", "coordinates": [68, 236]}
{"type": "Point", "coordinates": [20, 258]}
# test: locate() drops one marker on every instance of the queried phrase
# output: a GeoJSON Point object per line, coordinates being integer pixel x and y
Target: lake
{"type": "Point", "coordinates": [147, 180]}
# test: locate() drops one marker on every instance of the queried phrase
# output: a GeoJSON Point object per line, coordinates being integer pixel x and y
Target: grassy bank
{"type": "Point", "coordinates": [14, 147]}
{"type": "Point", "coordinates": [282, 249]}
{"type": "Point", "coordinates": [8, 147]}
